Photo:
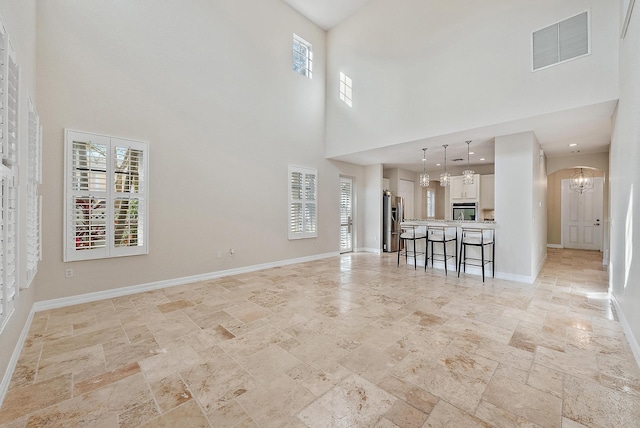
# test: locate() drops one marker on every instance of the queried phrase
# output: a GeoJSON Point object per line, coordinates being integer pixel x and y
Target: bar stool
{"type": "Point", "coordinates": [442, 235]}
{"type": "Point", "coordinates": [477, 237]}
{"type": "Point", "coordinates": [410, 233]}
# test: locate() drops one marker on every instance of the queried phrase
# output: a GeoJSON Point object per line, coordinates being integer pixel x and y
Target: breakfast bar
{"type": "Point", "coordinates": [457, 239]}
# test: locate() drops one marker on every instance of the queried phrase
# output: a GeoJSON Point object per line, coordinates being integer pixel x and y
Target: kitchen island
{"type": "Point", "coordinates": [453, 247]}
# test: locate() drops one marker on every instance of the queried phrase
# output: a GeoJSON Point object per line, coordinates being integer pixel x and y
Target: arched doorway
{"type": "Point", "coordinates": [577, 220]}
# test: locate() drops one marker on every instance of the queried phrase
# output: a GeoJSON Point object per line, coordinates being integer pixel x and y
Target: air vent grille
{"type": "Point", "coordinates": [561, 41]}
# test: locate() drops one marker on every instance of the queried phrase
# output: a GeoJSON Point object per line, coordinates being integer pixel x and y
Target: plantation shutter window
{"type": "Point", "coordinates": [34, 177]}
{"type": "Point", "coordinates": [3, 90]}
{"type": "Point", "coordinates": [106, 197]}
{"type": "Point", "coordinates": [8, 200]}
{"type": "Point", "coordinates": [303, 204]}
{"type": "Point", "coordinates": [13, 73]}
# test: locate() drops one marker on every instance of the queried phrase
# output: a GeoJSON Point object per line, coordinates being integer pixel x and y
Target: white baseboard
{"type": "Point", "coordinates": [540, 266]}
{"type": "Point", "coordinates": [125, 291]}
{"type": "Point", "coordinates": [514, 277]}
{"type": "Point", "coordinates": [15, 356]}
{"type": "Point", "coordinates": [633, 343]}
{"type": "Point", "coordinates": [554, 246]}
{"type": "Point", "coordinates": [368, 250]}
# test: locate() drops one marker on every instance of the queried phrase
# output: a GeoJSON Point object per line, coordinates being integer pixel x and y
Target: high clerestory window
{"type": "Point", "coordinates": [346, 93]}
{"type": "Point", "coordinates": [302, 56]}
{"type": "Point", "coordinates": [106, 201]}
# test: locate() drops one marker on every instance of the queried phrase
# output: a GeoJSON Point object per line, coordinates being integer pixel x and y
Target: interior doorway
{"type": "Point", "coordinates": [346, 214]}
{"type": "Point", "coordinates": [582, 216]}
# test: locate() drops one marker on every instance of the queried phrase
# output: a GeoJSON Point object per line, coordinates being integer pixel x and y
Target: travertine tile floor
{"type": "Point", "coordinates": [352, 341]}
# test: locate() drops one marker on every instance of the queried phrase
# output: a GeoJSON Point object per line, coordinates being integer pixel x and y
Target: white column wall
{"type": "Point", "coordinates": [373, 208]}
{"type": "Point", "coordinates": [516, 190]}
{"type": "Point", "coordinates": [429, 68]}
{"type": "Point", "coordinates": [624, 188]}
{"type": "Point", "coordinates": [538, 209]}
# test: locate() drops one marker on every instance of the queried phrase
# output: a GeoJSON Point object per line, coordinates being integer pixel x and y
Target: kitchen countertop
{"type": "Point", "coordinates": [442, 222]}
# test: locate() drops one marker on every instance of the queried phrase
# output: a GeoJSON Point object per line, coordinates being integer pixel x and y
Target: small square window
{"type": "Point", "coordinates": [302, 57]}
{"type": "Point", "coordinates": [345, 89]}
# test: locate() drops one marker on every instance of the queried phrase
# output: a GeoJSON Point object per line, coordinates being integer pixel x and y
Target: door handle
{"type": "Point", "coordinates": [350, 222]}
{"type": "Point", "coordinates": [596, 224]}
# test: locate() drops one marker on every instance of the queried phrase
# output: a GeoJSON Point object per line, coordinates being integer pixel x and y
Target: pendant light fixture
{"type": "Point", "coordinates": [424, 177]}
{"type": "Point", "coordinates": [581, 181]}
{"type": "Point", "coordinates": [467, 176]}
{"type": "Point", "coordinates": [445, 177]}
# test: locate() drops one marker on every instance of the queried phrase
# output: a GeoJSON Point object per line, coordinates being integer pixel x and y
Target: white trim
{"type": "Point", "coordinates": [540, 266]}
{"type": "Point", "coordinates": [368, 250]}
{"type": "Point", "coordinates": [633, 343]}
{"type": "Point", "coordinates": [15, 356]}
{"type": "Point", "coordinates": [516, 278]}
{"type": "Point", "coordinates": [627, 17]}
{"type": "Point", "coordinates": [554, 246]}
{"type": "Point", "coordinates": [140, 288]}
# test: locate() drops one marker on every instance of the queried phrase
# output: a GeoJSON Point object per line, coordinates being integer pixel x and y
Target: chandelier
{"type": "Point", "coordinates": [467, 176]}
{"type": "Point", "coordinates": [424, 177]}
{"type": "Point", "coordinates": [445, 177]}
{"type": "Point", "coordinates": [581, 181]}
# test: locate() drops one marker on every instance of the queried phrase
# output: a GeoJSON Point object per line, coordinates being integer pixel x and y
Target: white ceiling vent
{"type": "Point", "coordinates": [562, 41]}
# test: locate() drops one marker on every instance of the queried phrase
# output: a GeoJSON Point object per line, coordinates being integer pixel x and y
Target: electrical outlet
{"type": "Point", "coordinates": [231, 251]}
{"type": "Point", "coordinates": [68, 273]}
{"type": "Point", "coordinates": [219, 254]}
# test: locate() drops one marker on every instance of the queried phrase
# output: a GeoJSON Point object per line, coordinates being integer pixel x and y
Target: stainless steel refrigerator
{"type": "Point", "coordinates": [392, 215]}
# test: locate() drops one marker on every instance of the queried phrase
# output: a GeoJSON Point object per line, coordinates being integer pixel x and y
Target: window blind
{"type": "Point", "coordinates": [303, 207]}
{"type": "Point", "coordinates": [106, 197]}
{"type": "Point", "coordinates": [33, 226]}
{"type": "Point", "coordinates": [11, 153]}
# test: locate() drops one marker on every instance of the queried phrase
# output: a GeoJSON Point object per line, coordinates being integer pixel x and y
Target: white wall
{"type": "Point", "coordinates": [373, 208]}
{"type": "Point", "coordinates": [427, 68]}
{"type": "Point", "coordinates": [624, 187]}
{"type": "Point", "coordinates": [19, 18]}
{"type": "Point", "coordinates": [520, 186]}
{"type": "Point", "coordinates": [211, 88]}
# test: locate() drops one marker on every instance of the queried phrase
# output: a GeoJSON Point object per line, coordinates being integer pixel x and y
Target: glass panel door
{"type": "Point", "coordinates": [346, 214]}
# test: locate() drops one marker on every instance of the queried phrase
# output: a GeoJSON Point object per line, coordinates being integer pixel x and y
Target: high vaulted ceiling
{"type": "Point", "coordinates": [326, 13]}
{"type": "Point", "coordinates": [589, 127]}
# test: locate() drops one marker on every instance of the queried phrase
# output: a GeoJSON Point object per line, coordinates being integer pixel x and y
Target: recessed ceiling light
{"type": "Point", "coordinates": [573, 144]}
{"type": "Point", "coordinates": [438, 164]}
{"type": "Point", "coordinates": [472, 153]}
{"type": "Point", "coordinates": [482, 158]}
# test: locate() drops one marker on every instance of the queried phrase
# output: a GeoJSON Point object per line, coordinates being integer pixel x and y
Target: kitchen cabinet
{"type": "Point", "coordinates": [460, 192]}
{"type": "Point", "coordinates": [487, 192]}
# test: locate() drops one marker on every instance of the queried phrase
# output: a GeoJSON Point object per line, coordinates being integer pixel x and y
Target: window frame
{"type": "Point", "coordinates": [109, 196]}
{"type": "Point", "coordinates": [305, 69]}
{"type": "Point", "coordinates": [305, 230]}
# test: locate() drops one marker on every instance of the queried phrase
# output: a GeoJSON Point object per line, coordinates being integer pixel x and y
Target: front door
{"type": "Point", "coordinates": [346, 214]}
{"type": "Point", "coordinates": [582, 217]}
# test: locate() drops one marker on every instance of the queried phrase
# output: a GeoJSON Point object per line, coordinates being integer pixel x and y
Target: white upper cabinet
{"type": "Point", "coordinates": [461, 192]}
